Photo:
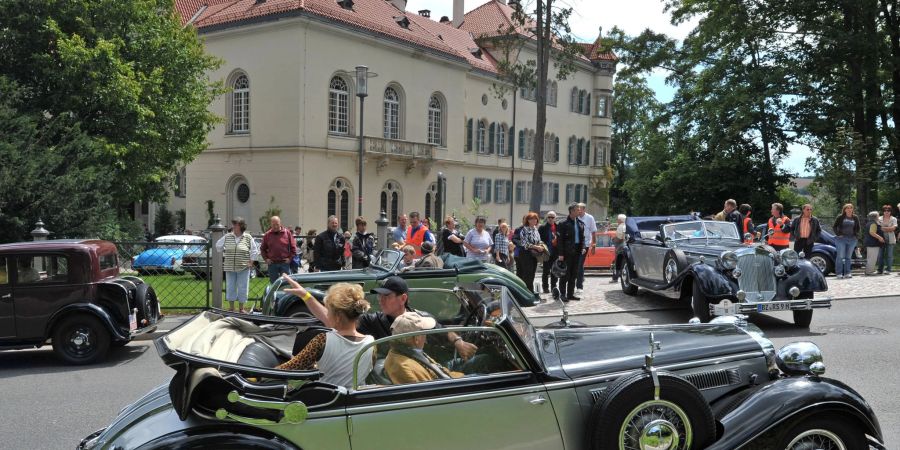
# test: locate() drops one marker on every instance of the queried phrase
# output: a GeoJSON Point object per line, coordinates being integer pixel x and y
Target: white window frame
{"type": "Point", "coordinates": [392, 103]}
{"type": "Point", "coordinates": [435, 120]}
{"type": "Point", "coordinates": [338, 106]}
{"type": "Point", "coordinates": [240, 105]}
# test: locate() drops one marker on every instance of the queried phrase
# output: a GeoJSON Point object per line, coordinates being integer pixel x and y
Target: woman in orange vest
{"type": "Point", "coordinates": [417, 233]}
{"type": "Point", "coordinates": [781, 238]}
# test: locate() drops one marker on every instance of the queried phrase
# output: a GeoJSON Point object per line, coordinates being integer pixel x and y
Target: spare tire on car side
{"type": "Point", "coordinates": [626, 412]}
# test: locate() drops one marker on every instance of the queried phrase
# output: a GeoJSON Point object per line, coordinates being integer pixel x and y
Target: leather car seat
{"type": "Point", "coordinates": [258, 355]}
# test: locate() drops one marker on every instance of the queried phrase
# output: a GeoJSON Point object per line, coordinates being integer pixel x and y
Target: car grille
{"type": "Point", "coordinates": [757, 276]}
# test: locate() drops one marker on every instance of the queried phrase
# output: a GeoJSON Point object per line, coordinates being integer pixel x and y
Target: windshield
{"type": "Point", "coordinates": [520, 323]}
{"type": "Point", "coordinates": [386, 259]}
{"type": "Point", "coordinates": [700, 230]}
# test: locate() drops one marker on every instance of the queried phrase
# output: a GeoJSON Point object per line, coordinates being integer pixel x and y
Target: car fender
{"type": "Point", "coordinates": [91, 309]}
{"type": "Point", "coordinates": [152, 422]}
{"type": "Point", "coordinates": [712, 283]}
{"type": "Point", "coordinates": [825, 249]}
{"type": "Point", "coordinates": [623, 256]}
{"type": "Point", "coordinates": [790, 399]}
{"type": "Point", "coordinates": [806, 277]}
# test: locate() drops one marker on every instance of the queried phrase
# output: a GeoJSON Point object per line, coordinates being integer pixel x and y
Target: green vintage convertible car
{"type": "Point", "coordinates": [386, 263]}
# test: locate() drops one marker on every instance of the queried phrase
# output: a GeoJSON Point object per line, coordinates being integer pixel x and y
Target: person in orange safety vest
{"type": "Point", "coordinates": [781, 238]}
{"type": "Point", "coordinates": [417, 233]}
{"type": "Point", "coordinates": [746, 223]}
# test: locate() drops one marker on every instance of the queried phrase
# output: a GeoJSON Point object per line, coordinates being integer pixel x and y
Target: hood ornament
{"type": "Point", "coordinates": [654, 346]}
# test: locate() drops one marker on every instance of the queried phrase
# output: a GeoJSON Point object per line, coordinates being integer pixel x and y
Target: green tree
{"type": "Point", "coordinates": [50, 169]}
{"type": "Point", "coordinates": [125, 73]}
{"type": "Point", "coordinates": [164, 222]}
{"type": "Point", "coordinates": [274, 210]}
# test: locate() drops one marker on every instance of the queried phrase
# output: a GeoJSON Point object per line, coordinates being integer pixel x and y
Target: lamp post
{"type": "Point", "coordinates": [362, 91]}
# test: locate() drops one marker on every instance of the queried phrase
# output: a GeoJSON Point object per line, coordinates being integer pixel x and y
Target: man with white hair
{"type": "Point", "coordinates": [590, 227]}
{"type": "Point", "coordinates": [619, 241]}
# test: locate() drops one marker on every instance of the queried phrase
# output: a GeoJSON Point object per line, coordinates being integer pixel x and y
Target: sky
{"type": "Point", "coordinates": [633, 17]}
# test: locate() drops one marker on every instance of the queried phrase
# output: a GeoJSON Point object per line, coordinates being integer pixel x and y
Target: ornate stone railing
{"type": "Point", "coordinates": [396, 147]}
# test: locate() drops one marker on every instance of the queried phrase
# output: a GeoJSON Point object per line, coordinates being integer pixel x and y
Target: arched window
{"type": "Point", "coordinates": [240, 105]}
{"type": "Point", "coordinates": [501, 140]}
{"type": "Point", "coordinates": [573, 107]}
{"type": "Point", "coordinates": [391, 114]}
{"type": "Point", "coordinates": [390, 200]}
{"type": "Point", "coordinates": [571, 151]}
{"type": "Point", "coordinates": [548, 147]}
{"type": "Point", "coordinates": [480, 137]}
{"type": "Point", "coordinates": [338, 201]}
{"type": "Point", "coordinates": [581, 97]}
{"type": "Point", "coordinates": [338, 106]}
{"type": "Point", "coordinates": [551, 93]}
{"type": "Point", "coordinates": [436, 120]}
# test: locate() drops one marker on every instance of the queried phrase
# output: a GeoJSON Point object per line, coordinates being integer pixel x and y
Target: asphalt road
{"type": "Point", "coordinates": [46, 405]}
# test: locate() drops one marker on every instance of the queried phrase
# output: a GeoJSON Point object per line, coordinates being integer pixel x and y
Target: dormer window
{"type": "Point", "coordinates": [403, 21]}
{"type": "Point", "coordinates": [476, 52]}
{"type": "Point", "coordinates": [346, 4]}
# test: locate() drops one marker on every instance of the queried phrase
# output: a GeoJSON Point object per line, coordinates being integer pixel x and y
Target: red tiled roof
{"type": "Point", "coordinates": [372, 15]}
{"type": "Point", "coordinates": [594, 51]}
{"type": "Point", "coordinates": [490, 19]}
{"type": "Point", "coordinates": [460, 41]}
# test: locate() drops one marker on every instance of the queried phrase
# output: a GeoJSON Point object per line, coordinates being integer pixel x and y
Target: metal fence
{"type": "Point", "coordinates": [179, 272]}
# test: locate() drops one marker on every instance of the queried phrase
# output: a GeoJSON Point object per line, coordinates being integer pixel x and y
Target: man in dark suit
{"type": "Point", "coordinates": [571, 245]}
{"type": "Point", "coordinates": [329, 248]}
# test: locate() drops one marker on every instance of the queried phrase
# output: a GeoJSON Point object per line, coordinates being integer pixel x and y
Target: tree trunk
{"type": "Point", "coordinates": [544, 44]}
{"type": "Point", "coordinates": [856, 101]}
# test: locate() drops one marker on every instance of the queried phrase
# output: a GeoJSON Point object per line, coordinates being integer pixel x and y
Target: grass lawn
{"type": "Point", "coordinates": [187, 292]}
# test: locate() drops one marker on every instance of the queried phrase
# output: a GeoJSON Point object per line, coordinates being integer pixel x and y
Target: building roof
{"type": "Point", "coordinates": [594, 51]}
{"type": "Point", "coordinates": [375, 16]}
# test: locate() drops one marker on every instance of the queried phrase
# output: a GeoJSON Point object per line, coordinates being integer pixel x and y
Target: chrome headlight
{"type": "Point", "coordinates": [800, 358]}
{"type": "Point", "coordinates": [779, 270]}
{"type": "Point", "coordinates": [789, 258]}
{"type": "Point", "coordinates": [729, 260]}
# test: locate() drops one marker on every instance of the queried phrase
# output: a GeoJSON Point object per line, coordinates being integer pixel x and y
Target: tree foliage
{"type": "Point", "coordinates": [125, 74]}
{"type": "Point", "coordinates": [752, 79]}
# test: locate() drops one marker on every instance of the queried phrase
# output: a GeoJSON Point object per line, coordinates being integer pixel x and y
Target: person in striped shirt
{"type": "Point", "coordinates": [240, 251]}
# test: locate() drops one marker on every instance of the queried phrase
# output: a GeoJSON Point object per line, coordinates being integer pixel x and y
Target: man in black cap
{"type": "Point", "coordinates": [393, 298]}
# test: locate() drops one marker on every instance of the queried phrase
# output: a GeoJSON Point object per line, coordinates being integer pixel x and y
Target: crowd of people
{"type": "Point", "coordinates": [878, 233]}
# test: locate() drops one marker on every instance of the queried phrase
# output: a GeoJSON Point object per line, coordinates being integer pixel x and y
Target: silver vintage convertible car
{"type": "Point", "coordinates": [717, 385]}
{"type": "Point", "coordinates": [710, 264]}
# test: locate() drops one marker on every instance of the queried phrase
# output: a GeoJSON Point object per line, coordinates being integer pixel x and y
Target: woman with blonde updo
{"type": "Point", "coordinates": [333, 352]}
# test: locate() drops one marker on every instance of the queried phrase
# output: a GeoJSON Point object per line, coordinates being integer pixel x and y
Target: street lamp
{"type": "Point", "coordinates": [362, 91]}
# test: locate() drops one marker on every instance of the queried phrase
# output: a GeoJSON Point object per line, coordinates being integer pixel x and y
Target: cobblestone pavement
{"type": "Point", "coordinates": [601, 296]}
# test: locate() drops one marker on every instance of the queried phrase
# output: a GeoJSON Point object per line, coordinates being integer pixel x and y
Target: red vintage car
{"type": "Point", "coordinates": [604, 255]}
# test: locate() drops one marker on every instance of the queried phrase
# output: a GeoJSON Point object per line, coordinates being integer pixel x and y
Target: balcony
{"type": "Point", "coordinates": [413, 154]}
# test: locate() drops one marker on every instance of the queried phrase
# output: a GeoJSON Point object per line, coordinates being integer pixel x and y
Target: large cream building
{"type": "Point", "coordinates": [292, 125]}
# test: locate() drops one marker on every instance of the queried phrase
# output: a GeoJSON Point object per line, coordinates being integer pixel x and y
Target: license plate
{"type": "Point", "coordinates": [773, 307]}
{"type": "Point", "coordinates": [132, 322]}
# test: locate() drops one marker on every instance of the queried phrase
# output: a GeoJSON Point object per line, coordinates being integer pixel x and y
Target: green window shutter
{"type": "Point", "coordinates": [491, 137]}
{"type": "Point", "coordinates": [469, 135]}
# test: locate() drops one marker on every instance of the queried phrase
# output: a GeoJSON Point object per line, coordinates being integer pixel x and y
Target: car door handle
{"type": "Point", "coordinates": [6, 296]}
{"type": "Point", "coordinates": [539, 400]}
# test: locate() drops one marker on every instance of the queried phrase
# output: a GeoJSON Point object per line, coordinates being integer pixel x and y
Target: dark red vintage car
{"type": "Point", "coordinates": [69, 292]}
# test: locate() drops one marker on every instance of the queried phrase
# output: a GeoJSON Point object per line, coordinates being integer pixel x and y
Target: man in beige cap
{"type": "Point", "coordinates": [406, 362]}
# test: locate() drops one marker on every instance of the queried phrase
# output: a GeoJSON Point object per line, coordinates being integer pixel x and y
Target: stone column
{"type": "Point", "coordinates": [39, 233]}
{"type": "Point", "coordinates": [215, 265]}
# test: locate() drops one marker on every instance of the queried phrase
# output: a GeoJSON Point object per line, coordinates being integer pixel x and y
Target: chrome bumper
{"type": "Point", "coordinates": [727, 307]}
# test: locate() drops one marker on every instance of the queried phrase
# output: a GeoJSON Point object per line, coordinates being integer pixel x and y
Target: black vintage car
{"type": "Point", "coordinates": [686, 386]}
{"type": "Point", "coordinates": [70, 293]}
{"type": "Point", "coordinates": [708, 263]}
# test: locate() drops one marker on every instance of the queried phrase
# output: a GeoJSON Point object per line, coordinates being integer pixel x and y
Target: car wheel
{"type": "Point", "coordinates": [628, 287]}
{"type": "Point", "coordinates": [80, 339]}
{"type": "Point", "coordinates": [235, 438]}
{"type": "Point", "coordinates": [148, 305]}
{"type": "Point", "coordinates": [674, 263]}
{"type": "Point", "coordinates": [827, 433]}
{"type": "Point", "coordinates": [803, 317]}
{"type": "Point", "coordinates": [699, 303]}
{"type": "Point", "coordinates": [628, 415]}
{"type": "Point", "coordinates": [822, 262]}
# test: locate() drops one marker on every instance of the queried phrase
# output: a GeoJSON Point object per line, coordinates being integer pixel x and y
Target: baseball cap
{"type": "Point", "coordinates": [412, 321]}
{"type": "Point", "coordinates": [392, 285]}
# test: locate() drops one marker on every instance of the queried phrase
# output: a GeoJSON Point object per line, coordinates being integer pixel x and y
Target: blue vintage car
{"type": "Point", "coordinates": [825, 253]}
{"type": "Point", "coordinates": [167, 255]}
{"type": "Point", "coordinates": [716, 386]}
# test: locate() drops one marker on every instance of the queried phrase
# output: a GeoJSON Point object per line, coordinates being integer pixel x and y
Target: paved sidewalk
{"type": "Point", "coordinates": [600, 296]}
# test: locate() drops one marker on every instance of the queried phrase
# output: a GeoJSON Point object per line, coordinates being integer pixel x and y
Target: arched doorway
{"type": "Point", "coordinates": [238, 200]}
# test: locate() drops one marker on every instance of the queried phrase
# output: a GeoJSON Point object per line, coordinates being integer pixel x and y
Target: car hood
{"type": "Point", "coordinates": [585, 352]}
{"type": "Point", "coordinates": [715, 247]}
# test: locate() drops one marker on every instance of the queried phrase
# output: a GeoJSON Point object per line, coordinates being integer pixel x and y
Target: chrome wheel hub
{"type": "Point", "coordinates": [817, 439]}
{"type": "Point", "coordinates": [81, 338]}
{"type": "Point", "coordinates": [819, 263]}
{"type": "Point", "coordinates": [656, 425]}
{"type": "Point", "coordinates": [659, 435]}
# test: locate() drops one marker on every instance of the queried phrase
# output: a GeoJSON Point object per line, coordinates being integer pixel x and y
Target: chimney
{"type": "Point", "coordinates": [445, 19]}
{"type": "Point", "coordinates": [458, 12]}
{"type": "Point", "coordinates": [425, 12]}
{"type": "Point", "coordinates": [399, 4]}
